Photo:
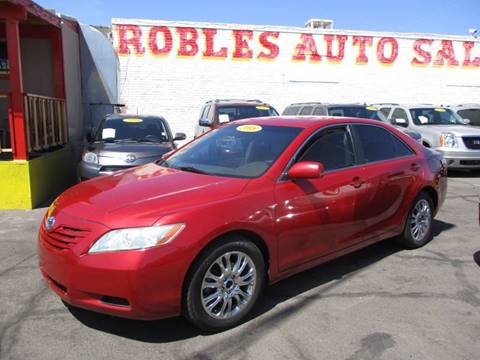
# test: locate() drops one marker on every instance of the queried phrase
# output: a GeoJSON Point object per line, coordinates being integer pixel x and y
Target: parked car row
{"type": "Point", "coordinates": [123, 141]}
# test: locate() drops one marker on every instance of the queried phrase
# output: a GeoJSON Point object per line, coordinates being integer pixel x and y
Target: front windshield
{"type": "Point", "coordinates": [244, 151]}
{"type": "Point", "coordinates": [364, 112]}
{"type": "Point", "coordinates": [237, 112]}
{"type": "Point", "coordinates": [434, 116]}
{"type": "Point", "coordinates": [139, 129]}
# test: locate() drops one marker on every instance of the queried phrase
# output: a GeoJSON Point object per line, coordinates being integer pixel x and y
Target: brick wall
{"type": "Point", "coordinates": [173, 68]}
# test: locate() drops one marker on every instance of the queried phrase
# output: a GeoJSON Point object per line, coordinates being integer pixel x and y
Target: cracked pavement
{"type": "Point", "coordinates": [378, 303]}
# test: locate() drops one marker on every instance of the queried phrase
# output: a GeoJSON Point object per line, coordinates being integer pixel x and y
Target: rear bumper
{"type": "Point", "coordinates": [461, 159]}
{"type": "Point", "coordinates": [145, 285]}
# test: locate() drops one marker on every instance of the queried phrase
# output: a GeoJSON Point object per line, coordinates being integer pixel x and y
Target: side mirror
{"type": "Point", "coordinates": [179, 136]}
{"type": "Point", "coordinates": [467, 121]}
{"type": "Point", "coordinates": [306, 170]}
{"type": "Point", "coordinates": [205, 122]}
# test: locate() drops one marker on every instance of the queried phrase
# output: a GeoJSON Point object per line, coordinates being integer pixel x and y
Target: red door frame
{"type": "Point", "coordinates": [13, 14]}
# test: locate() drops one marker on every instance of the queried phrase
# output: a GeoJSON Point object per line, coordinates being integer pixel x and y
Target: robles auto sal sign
{"type": "Point", "coordinates": [164, 41]}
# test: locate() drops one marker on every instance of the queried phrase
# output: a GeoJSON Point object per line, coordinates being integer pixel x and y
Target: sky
{"type": "Point", "coordinates": [426, 16]}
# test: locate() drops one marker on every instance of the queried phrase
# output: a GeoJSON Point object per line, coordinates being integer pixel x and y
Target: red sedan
{"type": "Point", "coordinates": [201, 232]}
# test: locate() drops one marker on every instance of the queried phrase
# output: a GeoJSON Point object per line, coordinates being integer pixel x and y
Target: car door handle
{"type": "Point", "coordinates": [414, 167]}
{"type": "Point", "coordinates": [357, 182]}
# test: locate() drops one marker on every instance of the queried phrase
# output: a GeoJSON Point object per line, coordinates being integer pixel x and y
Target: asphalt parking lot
{"type": "Point", "coordinates": [379, 303]}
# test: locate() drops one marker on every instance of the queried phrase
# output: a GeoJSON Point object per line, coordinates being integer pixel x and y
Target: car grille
{"type": "Point", "coordinates": [64, 237]}
{"type": "Point", "coordinates": [472, 142]}
{"type": "Point", "coordinates": [113, 168]}
{"type": "Point", "coordinates": [470, 162]}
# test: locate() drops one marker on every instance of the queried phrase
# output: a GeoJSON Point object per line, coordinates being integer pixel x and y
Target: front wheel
{"type": "Point", "coordinates": [225, 284]}
{"type": "Point", "coordinates": [418, 228]}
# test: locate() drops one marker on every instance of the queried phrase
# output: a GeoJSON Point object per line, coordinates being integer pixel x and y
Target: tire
{"type": "Point", "coordinates": [216, 305]}
{"type": "Point", "coordinates": [418, 227]}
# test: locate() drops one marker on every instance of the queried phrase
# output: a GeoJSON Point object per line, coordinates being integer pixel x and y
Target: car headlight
{"type": "Point", "coordinates": [136, 238]}
{"type": "Point", "coordinates": [90, 157]}
{"type": "Point", "coordinates": [448, 140]}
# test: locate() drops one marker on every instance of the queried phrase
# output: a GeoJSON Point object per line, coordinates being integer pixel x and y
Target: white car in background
{"type": "Point", "coordinates": [442, 129]}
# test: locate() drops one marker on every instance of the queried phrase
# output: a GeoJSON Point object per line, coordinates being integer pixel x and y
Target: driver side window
{"type": "Point", "coordinates": [333, 148]}
{"type": "Point", "coordinates": [399, 117]}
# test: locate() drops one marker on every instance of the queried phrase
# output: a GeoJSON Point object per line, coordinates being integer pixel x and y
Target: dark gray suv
{"type": "Point", "coordinates": [123, 141]}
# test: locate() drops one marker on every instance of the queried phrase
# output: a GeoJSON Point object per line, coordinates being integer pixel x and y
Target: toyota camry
{"type": "Point", "coordinates": [201, 232]}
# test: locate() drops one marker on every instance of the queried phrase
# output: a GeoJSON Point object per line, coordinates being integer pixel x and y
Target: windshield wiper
{"type": "Point", "coordinates": [191, 169]}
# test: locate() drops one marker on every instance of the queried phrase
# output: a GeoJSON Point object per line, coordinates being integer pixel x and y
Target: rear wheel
{"type": "Point", "coordinates": [224, 285]}
{"type": "Point", "coordinates": [418, 228]}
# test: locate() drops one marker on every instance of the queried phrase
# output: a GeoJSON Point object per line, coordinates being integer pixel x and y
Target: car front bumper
{"type": "Point", "coordinates": [461, 158]}
{"type": "Point", "coordinates": [137, 284]}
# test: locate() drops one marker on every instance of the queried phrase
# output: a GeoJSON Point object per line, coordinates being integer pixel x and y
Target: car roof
{"type": "Point", "coordinates": [304, 121]}
{"type": "Point", "coordinates": [237, 102]}
{"type": "Point", "coordinates": [326, 104]}
{"type": "Point", "coordinates": [465, 106]}
{"type": "Point", "coordinates": [409, 106]}
{"type": "Point", "coordinates": [126, 116]}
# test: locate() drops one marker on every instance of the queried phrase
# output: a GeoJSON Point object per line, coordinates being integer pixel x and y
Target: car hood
{"type": "Point", "coordinates": [140, 196]}
{"type": "Point", "coordinates": [121, 150]}
{"type": "Point", "coordinates": [457, 130]}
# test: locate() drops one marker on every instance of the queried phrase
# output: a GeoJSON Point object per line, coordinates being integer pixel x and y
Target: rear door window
{"type": "Point", "coordinates": [378, 144]}
{"type": "Point", "coordinates": [385, 111]}
{"type": "Point", "coordinates": [472, 114]}
{"type": "Point", "coordinates": [306, 110]}
{"type": "Point", "coordinates": [333, 148]}
{"type": "Point", "coordinates": [319, 110]}
{"type": "Point", "coordinates": [399, 117]}
{"type": "Point", "coordinates": [291, 110]}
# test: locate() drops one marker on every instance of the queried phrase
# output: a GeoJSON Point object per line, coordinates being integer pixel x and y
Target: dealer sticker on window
{"type": "Point", "coordinates": [440, 109]}
{"type": "Point", "coordinates": [132, 120]}
{"type": "Point", "coordinates": [260, 107]}
{"type": "Point", "coordinates": [372, 108]}
{"type": "Point", "coordinates": [249, 128]}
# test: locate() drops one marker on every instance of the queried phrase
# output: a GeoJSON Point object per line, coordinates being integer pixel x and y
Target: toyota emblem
{"type": "Point", "coordinates": [49, 223]}
{"type": "Point", "coordinates": [130, 158]}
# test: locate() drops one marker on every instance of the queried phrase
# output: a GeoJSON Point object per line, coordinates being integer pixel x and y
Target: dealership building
{"type": "Point", "coordinates": [172, 68]}
{"type": "Point", "coordinates": [59, 78]}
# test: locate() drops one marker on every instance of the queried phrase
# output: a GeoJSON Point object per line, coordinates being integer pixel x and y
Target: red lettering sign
{"type": "Point", "coordinates": [422, 57]}
{"type": "Point", "coordinates": [210, 45]}
{"type": "Point", "coordinates": [306, 47]}
{"type": "Point", "coordinates": [362, 42]}
{"type": "Point", "coordinates": [272, 48]}
{"type": "Point", "coordinates": [469, 45]}
{"type": "Point", "coordinates": [188, 41]}
{"type": "Point", "coordinates": [384, 59]}
{"type": "Point", "coordinates": [242, 47]}
{"type": "Point", "coordinates": [130, 36]}
{"type": "Point", "coordinates": [153, 40]}
{"type": "Point", "coordinates": [446, 53]}
{"type": "Point", "coordinates": [341, 40]}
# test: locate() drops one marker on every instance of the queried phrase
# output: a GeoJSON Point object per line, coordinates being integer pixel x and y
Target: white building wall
{"type": "Point", "coordinates": [177, 86]}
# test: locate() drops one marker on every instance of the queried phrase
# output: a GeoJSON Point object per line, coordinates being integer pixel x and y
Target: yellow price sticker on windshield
{"type": "Point", "coordinates": [249, 128]}
{"type": "Point", "coordinates": [372, 108]}
{"type": "Point", "coordinates": [440, 109]}
{"type": "Point", "coordinates": [260, 107]}
{"type": "Point", "coordinates": [132, 120]}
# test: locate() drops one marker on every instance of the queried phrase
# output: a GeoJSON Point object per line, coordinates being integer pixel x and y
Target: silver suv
{"type": "Point", "coordinates": [470, 113]}
{"type": "Point", "coordinates": [441, 129]}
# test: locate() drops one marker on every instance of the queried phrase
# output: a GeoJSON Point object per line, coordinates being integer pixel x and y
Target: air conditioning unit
{"type": "Point", "coordinates": [319, 24]}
